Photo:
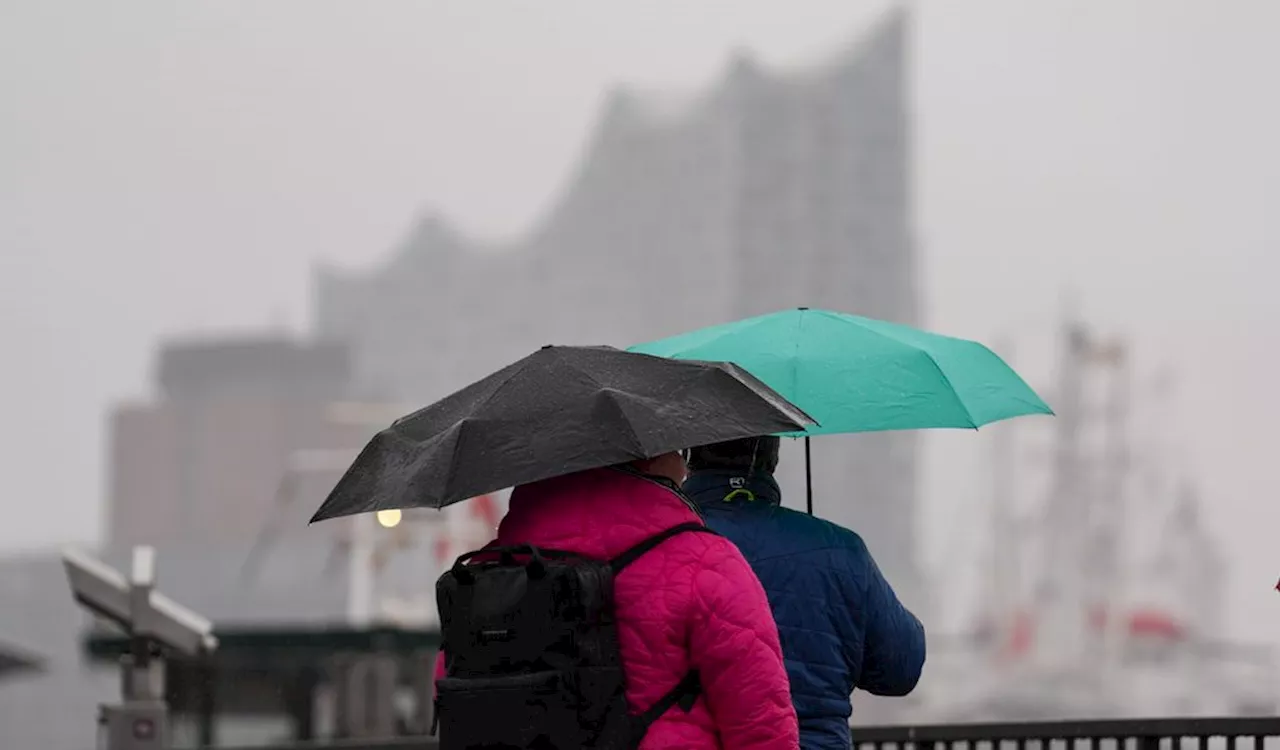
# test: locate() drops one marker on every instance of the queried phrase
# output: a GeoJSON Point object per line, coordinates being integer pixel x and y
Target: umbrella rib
{"type": "Point", "coordinates": [635, 439]}
{"type": "Point", "coordinates": [951, 388]}
{"type": "Point", "coordinates": [461, 423]}
{"type": "Point", "coordinates": [452, 471]}
{"type": "Point", "coordinates": [973, 423]}
{"type": "Point", "coordinates": [499, 387]}
{"type": "Point", "coordinates": [795, 355]}
{"type": "Point", "coordinates": [457, 427]}
{"type": "Point", "coordinates": [626, 421]}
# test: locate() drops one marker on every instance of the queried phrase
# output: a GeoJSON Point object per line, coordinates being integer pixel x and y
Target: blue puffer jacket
{"type": "Point", "coordinates": [842, 627]}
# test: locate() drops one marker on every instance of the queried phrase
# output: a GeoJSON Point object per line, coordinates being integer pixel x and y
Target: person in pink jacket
{"type": "Point", "coordinates": [692, 602]}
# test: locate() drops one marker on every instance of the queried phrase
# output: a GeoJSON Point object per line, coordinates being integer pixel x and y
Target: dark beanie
{"type": "Point", "coordinates": [744, 454]}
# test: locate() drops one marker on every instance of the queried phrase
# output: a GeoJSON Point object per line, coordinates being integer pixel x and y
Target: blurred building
{"type": "Point", "coordinates": [206, 472]}
{"type": "Point", "coordinates": [767, 191]}
{"type": "Point", "coordinates": [206, 457]}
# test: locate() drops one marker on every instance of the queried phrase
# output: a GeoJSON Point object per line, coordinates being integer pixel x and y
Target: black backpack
{"type": "Point", "coordinates": [531, 653]}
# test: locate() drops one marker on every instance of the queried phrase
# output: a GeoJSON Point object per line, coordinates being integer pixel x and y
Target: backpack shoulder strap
{"type": "Point", "coordinates": [620, 562]}
{"type": "Point", "coordinates": [684, 694]}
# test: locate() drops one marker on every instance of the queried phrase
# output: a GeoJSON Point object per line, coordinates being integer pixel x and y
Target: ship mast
{"type": "Point", "coordinates": [1003, 587]}
{"type": "Point", "coordinates": [1083, 521]}
{"type": "Point", "coordinates": [1108, 523]}
{"type": "Point", "coordinates": [1059, 593]}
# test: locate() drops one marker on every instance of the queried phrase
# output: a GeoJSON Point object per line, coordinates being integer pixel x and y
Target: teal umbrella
{"type": "Point", "coordinates": [855, 374]}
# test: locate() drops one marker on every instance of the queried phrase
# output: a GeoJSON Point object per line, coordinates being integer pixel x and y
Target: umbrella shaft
{"type": "Point", "coordinates": [808, 477]}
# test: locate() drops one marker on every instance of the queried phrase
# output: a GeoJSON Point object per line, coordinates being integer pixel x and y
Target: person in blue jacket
{"type": "Point", "coordinates": [842, 626]}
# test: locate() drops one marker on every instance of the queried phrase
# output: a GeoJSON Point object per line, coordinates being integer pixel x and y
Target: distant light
{"type": "Point", "coordinates": [389, 518]}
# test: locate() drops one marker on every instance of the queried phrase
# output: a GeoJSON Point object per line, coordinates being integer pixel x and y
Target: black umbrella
{"type": "Point", "coordinates": [560, 410]}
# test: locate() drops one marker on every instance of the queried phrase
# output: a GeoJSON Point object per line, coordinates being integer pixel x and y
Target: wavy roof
{"type": "Point", "coordinates": [629, 111]}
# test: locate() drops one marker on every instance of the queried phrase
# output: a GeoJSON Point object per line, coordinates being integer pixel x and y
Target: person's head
{"type": "Point", "coordinates": [747, 455]}
{"type": "Point", "coordinates": [669, 465]}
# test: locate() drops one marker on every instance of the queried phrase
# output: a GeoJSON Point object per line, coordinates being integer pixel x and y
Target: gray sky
{"type": "Point", "coordinates": [174, 166]}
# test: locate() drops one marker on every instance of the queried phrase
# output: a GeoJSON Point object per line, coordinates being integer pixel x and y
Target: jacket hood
{"type": "Point", "coordinates": [599, 512]}
{"type": "Point", "coordinates": [723, 485]}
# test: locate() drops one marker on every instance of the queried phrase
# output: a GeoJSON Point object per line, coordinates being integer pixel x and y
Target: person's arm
{"type": "Point", "coordinates": [893, 648]}
{"type": "Point", "coordinates": [733, 643]}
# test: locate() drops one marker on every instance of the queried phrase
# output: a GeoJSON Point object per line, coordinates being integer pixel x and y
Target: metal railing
{"type": "Point", "coordinates": [399, 743]}
{"type": "Point", "coordinates": [1129, 734]}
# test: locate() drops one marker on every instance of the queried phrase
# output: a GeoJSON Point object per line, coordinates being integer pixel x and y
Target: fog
{"type": "Point", "coordinates": [175, 168]}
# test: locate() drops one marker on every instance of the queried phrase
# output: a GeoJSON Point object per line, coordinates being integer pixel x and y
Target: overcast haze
{"type": "Point", "coordinates": [168, 167]}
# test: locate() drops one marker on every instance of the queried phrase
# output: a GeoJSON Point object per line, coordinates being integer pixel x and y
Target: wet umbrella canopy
{"type": "Point", "coordinates": [856, 374]}
{"type": "Point", "coordinates": [557, 411]}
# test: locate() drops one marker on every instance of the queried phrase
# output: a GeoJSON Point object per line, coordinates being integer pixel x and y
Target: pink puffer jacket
{"type": "Point", "coordinates": [690, 603]}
